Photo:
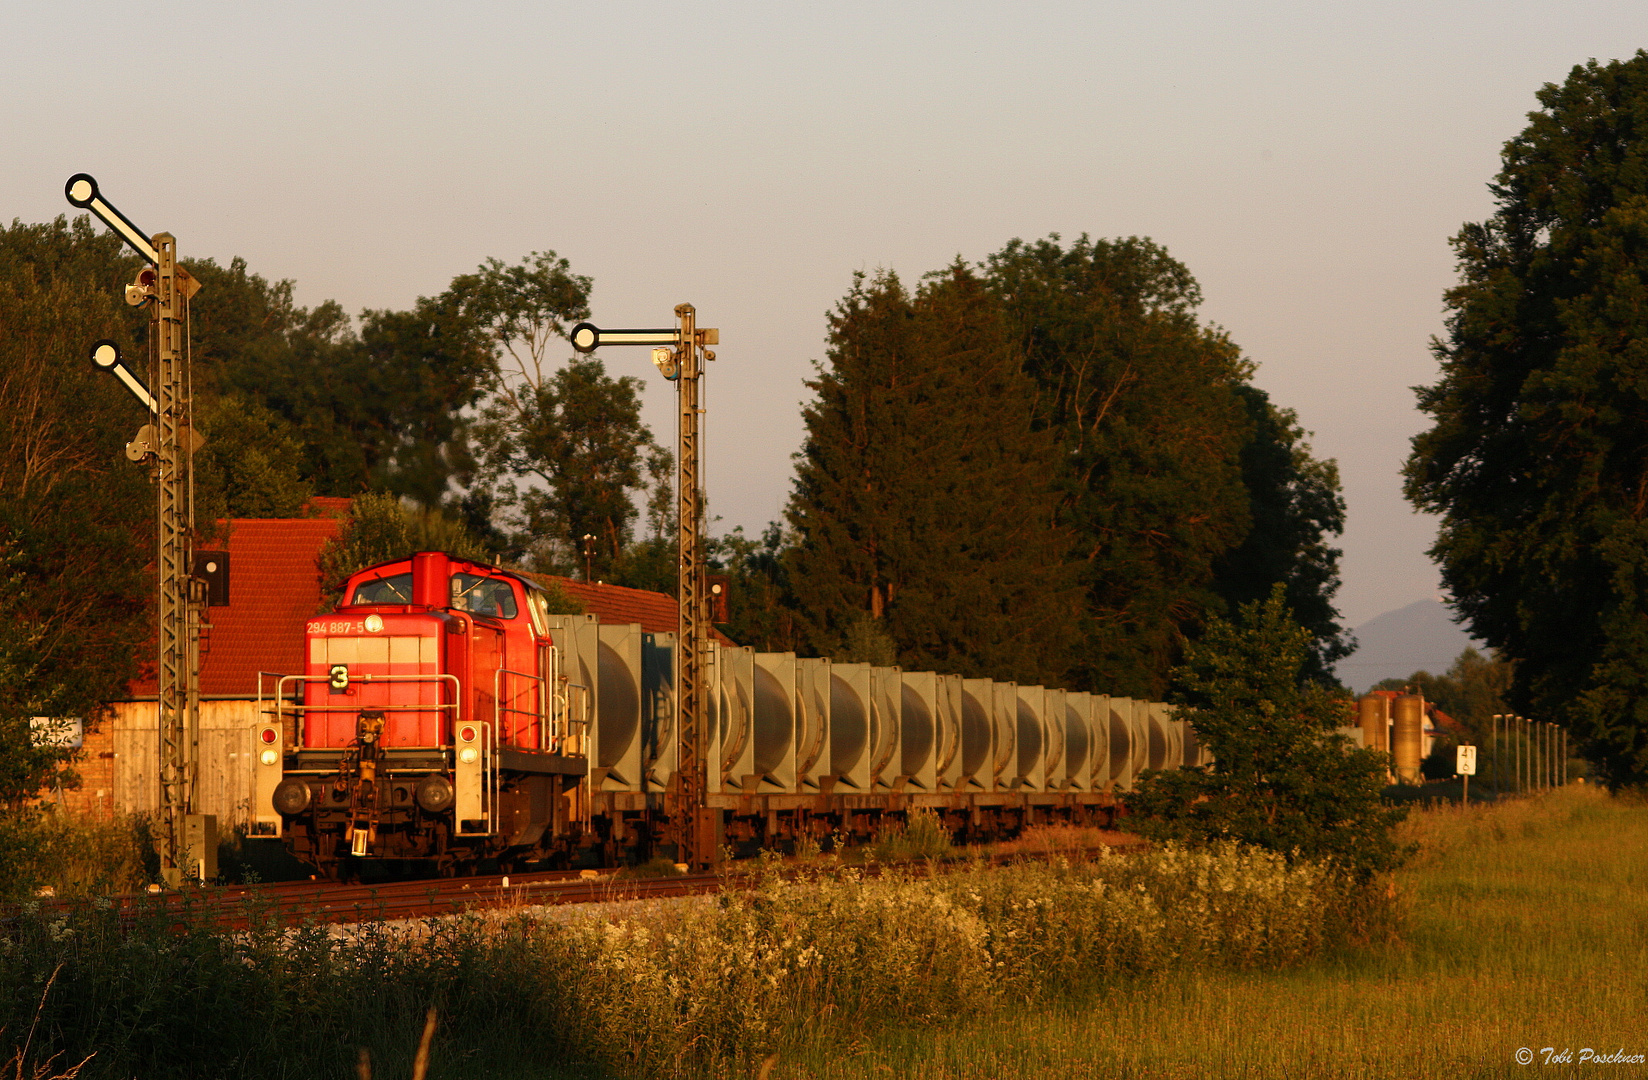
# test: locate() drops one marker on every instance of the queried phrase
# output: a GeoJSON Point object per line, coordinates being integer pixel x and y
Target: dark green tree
{"type": "Point", "coordinates": [251, 465]}
{"type": "Point", "coordinates": [1281, 777]}
{"type": "Point", "coordinates": [378, 408]}
{"type": "Point", "coordinates": [1145, 401]}
{"type": "Point", "coordinates": [380, 527]}
{"type": "Point", "coordinates": [76, 519]}
{"type": "Point", "coordinates": [560, 448]}
{"type": "Point", "coordinates": [1295, 505]}
{"type": "Point", "coordinates": [923, 497]}
{"type": "Point", "coordinates": [1538, 456]}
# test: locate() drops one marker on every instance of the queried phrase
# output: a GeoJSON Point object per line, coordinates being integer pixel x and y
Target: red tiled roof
{"type": "Point", "coordinates": [656, 612]}
{"type": "Point", "coordinates": [273, 589]}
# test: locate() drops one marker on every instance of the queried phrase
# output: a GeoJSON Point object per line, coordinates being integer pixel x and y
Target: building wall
{"type": "Point", "coordinates": [226, 759]}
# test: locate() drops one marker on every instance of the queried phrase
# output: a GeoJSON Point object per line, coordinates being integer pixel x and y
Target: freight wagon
{"type": "Point", "coordinates": [445, 715]}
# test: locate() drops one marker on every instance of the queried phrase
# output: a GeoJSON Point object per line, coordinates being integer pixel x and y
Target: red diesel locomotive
{"type": "Point", "coordinates": [433, 721]}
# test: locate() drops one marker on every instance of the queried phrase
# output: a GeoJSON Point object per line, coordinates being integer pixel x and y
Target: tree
{"type": "Point", "coordinates": [1295, 504]}
{"type": "Point", "coordinates": [251, 465]}
{"type": "Point", "coordinates": [1537, 459]}
{"type": "Point", "coordinates": [1146, 402]}
{"type": "Point", "coordinates": [381, 527]}
{"type": "Point", "coordinates": [1281, 777]}
{"type": "Point", "coordinates": [562, 450]}
{"type": "Point", "coordinates": [923, 496]}
{"type": "Point", "coordinates": [381, 408]}
{"type": "Point", "coordinates": [76, 526]}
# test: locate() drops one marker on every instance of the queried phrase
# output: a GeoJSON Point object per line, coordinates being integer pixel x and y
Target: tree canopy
{"type": "Point", "coordinates": [1537, 459]}
{"type": "Point", "coordinates": [921, 496]}
{"type": "Point", "coordinates": [1103, 442]}
{"type": "Point", "coordinates": [76, 520]}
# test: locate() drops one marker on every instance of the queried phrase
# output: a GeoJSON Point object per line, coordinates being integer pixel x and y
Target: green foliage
{"type": "Point", "coordinates": [922, 495]}
{"type": "Point", "coordinates": [251, 465]}
{"type": "Point", "coordinates": [74, 858]}
{"type": "Point", "coordinates": [559, 450]}
{"type": "Point", "coordinates": [921, 835]}
{"type": "Point", "coordinates": [382, 527]}
{"type": "Point", "coordinates": [375, 408]}
{"type": "Point", "coordinates": [1282, 778]}
{"type": "Point", "coordinates": [664, 991]}
{"type": "Point", "coordinates": [578, 437]}
{"type": "Point", "coordinates": [1536, 457]}
{"type": "Point", "coordinates": [76, 519]}
{"type": "Point", "coordinates": [1057, 415]}
{"type": "Point", "coordinates": [1144, 399]}
{"type": "Point", "coordinates": [1295, 504]}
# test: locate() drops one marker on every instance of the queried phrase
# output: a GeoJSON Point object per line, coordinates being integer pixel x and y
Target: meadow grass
{"type": "Point", "coordinates": [1526, 926]}
{"type": "Point", "coordinates": [706, 987]}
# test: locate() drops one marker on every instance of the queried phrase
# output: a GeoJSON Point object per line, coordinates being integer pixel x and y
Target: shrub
{"type": "Point", "coordinates": [1281, 778]}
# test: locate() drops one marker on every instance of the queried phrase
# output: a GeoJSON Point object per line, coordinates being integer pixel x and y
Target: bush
{"type": "Point", "coordinates": [1282, 778]}
{"type": "Point", "coordinates": [719, 981]}
{"type": "Point", "coordinates": [41, 848]}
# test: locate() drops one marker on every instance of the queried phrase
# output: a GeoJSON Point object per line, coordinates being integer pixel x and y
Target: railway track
{"type": "Point", "coordinates": [239, 907]}
{"type": "Point", "coordinates": [235, 907]}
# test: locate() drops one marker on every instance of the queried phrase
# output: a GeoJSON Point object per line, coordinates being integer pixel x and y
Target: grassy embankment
{"type": "Point", "coordinates": [1527, 926]}
{"type": "Point", "coordinates": [712, 986]}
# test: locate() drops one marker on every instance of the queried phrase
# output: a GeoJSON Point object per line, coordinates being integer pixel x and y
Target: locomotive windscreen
{"type": "Point", "coordinates": [396, 589]}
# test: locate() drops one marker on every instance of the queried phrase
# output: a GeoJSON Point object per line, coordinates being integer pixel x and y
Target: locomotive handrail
{"type": "Point", "coordinates": [301, 707]}
{"type": "Point", "coordinates": [501, 710]}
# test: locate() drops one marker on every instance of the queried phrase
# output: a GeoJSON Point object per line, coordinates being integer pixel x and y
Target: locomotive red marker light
{"type": "Point", "coordinates": [268, 735]}
{"type": "Point", "coordinates": [467, 734]}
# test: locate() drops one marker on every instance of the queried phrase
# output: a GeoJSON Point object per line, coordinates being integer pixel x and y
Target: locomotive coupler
{"type": "Point", "coordinates": [363, 801]}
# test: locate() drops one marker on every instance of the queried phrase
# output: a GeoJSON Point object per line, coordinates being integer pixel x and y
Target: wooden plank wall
{"type": "Point", "coordinates": [226, 759]}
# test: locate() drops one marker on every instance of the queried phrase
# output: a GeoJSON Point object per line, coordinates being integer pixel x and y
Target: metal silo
{"type": "Point", "coordinates": [659, 745]}
{"type": "Point", "coordinates": [1032, 739]}
{"type": "Point", "coordinates": [812, 721]}
{"type": "Point", "coordinates": [1121, 743]}
{"type": "Point", "coordinates": [947, 764]}
{"type": "Point", "coordinates": [1373, 715]}
{"type": "Point", "coordinates": [850, 725]}
{"type": "Point", "coordinates": [978, 734]}
{"type": "Point", "coordinates": [1407, 738]}
{"type": "Point", "coordinates": [886, 708]}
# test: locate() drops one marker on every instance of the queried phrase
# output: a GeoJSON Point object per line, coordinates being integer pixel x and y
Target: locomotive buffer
{"type": "Point", "coordinates": [188, 841]}
{"type": "Point", "coordinates": [679, 353]}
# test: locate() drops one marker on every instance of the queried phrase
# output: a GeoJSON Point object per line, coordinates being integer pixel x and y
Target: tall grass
{"type": "Point", "coordinates": [45, 849]}
{"type": "Point", "coordinates": [708, 986]}
{"type": "Point", "coordinates": [1527, 927]}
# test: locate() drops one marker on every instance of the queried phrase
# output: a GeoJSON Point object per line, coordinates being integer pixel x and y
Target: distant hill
{"type": "Point", "coordinates": [1421, 636]}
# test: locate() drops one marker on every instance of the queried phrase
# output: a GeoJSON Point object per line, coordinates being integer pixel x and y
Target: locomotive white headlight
{"type": "Point", "coordinates": [268, 757]}
{"type": "Point", "coordinates": [468, 755]}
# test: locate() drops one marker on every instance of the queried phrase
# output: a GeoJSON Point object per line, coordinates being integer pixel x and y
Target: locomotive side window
{"type": "Point", "coordinates": [396, 589]}
{"type": "Point", "coordinates": [483, 596]}
{"type": "Point", "coordinates": [539, 611]}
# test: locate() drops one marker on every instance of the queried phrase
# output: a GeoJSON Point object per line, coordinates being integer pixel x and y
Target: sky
{"type": "Point", "coordinates": [1307, 162]}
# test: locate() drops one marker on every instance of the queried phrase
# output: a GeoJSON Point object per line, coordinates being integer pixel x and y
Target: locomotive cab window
{"type": "Point", "coordinates": [396, 589]}
{"type": "Point", "coordinates": [539, 610]}
{"type": "Point", "coordinates": [483, 596]}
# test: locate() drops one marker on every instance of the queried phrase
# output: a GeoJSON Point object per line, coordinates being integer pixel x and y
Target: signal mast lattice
{"type": "Point", "coordinates": [680, 355]}
{"type": "Point", "coordinates": [169, 442]}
